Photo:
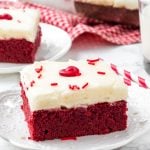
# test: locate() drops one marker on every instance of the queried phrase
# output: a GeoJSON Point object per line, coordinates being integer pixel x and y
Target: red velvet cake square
{"type": "Point", "coordinates": [74, 98]}
{"type": "Point", "coordinates": [20, 35]}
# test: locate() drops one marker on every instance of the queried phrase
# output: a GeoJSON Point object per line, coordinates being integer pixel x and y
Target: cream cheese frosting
{"type": "Point", "coordinates": [95, 82]}
{"type": "Point", "coordinates": [23, 25]}
{"type": "Point", "coordinates": [128, 4]}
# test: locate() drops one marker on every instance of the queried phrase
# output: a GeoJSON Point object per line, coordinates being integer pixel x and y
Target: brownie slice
{"type": "Point", "coordinates": [108, 13]}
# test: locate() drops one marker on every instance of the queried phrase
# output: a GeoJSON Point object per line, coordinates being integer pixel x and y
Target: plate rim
{"type": "Point", "coordinates": [64, 50]}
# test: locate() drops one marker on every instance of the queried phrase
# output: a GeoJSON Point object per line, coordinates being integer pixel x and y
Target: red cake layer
{"type": "Point", "coordinates": [108, 13]}
{"type": "Point", "coordinates": [101, 118]}
{"type": "Point", "coordinates": [19, 50]}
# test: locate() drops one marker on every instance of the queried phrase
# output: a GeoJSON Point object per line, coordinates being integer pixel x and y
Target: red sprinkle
{"type": "Point", "coordinates": [6, 17]}
{"type": "Point", "coordinates": [70, 71]}
{"type": "Point", "coordinates": [54, 84]}
{"type": "Point", "coordinates": [91, 63]}
{"type": "Point", "coordinates": [93, 60]}
{"type": "Point", "coordinates": [39, 76]}
{"type": "Point", "coordinates": [85, 85]}
{"type": "Point", "coordinates": [32, 83]}
{"type": "Point", "coordinates": [74, 87]}
{"type": "Point", "coordinates": [38, 70]}
{"type": "Point", "coordinates": [68, 138]}
{"type": "Point", "coordinates": [101, 73]}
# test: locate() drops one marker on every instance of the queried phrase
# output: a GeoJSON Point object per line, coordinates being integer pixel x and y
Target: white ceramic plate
{"type": "Point", "coordinates": [13, 128]}
{"type": "Point", "coordinates": [55, 43]}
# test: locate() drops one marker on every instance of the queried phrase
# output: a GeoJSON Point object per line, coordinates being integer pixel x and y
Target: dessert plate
{"type": "Point", "coordinates": [54, 44]}
{"type": "Point", "coordinates": [13, 127]}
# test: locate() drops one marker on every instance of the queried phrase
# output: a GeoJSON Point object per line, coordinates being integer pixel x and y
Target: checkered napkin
{"type": "Point", "coordinates": [76, 25]}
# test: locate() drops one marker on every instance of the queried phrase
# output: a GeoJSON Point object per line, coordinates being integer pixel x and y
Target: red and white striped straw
{"type": "Point", "coordinates": [129, 76]}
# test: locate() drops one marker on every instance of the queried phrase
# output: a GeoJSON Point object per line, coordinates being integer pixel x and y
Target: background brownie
{"type": "Point", "coordinates": [114, 12]}
{"type": "Point", "coordinates": [20, 35]}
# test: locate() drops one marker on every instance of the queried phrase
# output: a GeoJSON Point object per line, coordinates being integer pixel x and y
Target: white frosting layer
{"type": "Point", "coordinates": [101, 88]}
{"type": "Point", "coordinates": [128, 4]}
{"type": "Point", "coordinates": [24, 24]}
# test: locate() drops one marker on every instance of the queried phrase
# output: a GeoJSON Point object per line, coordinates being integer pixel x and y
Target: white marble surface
{"type": "Point", "coordinates": [128, 57]}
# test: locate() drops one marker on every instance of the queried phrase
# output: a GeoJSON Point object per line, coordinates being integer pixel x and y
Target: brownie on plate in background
{"type": "Point", "coordinates": [20, 35]}
{"type": "Point", "coordinates": [118, 11]}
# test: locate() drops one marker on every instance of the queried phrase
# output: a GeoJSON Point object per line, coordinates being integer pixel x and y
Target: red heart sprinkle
{"type": "Point", "coordinates": [70, 71]}
{"type": "Point", "coordinates": [6, 17]}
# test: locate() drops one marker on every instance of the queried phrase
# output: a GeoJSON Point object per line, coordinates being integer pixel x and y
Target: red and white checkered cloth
{"type": "Point", "coordinates": [76, 25]}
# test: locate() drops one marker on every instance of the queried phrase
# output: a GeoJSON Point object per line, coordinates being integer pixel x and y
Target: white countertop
{"type": "Point", "coordinates": [128, 57]}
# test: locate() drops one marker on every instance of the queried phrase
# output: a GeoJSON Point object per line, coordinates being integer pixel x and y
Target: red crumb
{"type": "Point", "coordinates": [68, 138]}
{"type": "Point", "coordinates": [21, 107]}
{"type": "Point", "coordinates": [20, 84]}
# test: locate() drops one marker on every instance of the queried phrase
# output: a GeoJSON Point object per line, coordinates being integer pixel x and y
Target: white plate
{"type": "Point", "coordinates": [54, 44]}
{"type": "Point", "coordinates": [13, 128]}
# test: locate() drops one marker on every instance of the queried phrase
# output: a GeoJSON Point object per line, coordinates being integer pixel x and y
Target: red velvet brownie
{"type": "Point", "coordinates": [118, 11]}
{"type": "Point", "coordinates": [74, 98]}
{"type": "Point", "coordinates": [20, 35]}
